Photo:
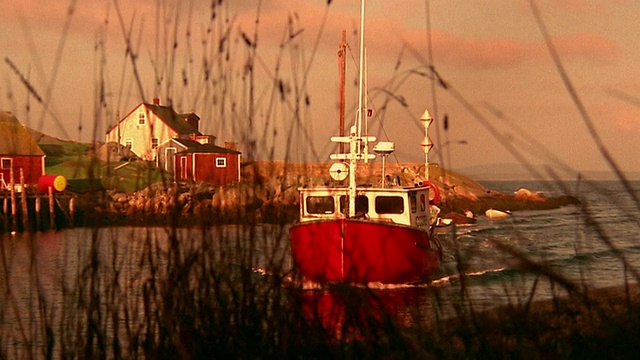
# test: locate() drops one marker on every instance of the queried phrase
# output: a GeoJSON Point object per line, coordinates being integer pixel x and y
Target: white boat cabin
{"type": "Point", "coordinates": [407, 206]}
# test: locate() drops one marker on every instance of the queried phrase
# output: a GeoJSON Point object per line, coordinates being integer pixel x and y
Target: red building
{"type": "Point", "coordinates": [208, 163]}
{"type": "Point", "coordinates": [18, 151]}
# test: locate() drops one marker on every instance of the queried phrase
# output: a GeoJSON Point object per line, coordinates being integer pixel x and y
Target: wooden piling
{"type": "Point", "coordinates": [72, 210]}
{"type": "Point", "coordinates": [5, 212]}
{"type": "Point", "coordinates": [14, 206]}
{"type": "Point", "coordinates": [38, 212]}
{"type": "Point", "coordinates": [52, 222]}
{"type": "Point", "coordinates": [23, 200]}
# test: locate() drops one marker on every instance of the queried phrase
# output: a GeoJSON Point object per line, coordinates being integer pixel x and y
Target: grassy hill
{"type": "Point", "coordinates": [84, 171]}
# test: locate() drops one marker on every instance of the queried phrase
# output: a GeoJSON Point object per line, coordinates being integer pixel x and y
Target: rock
{"type": "Point", "coordinates": [527, 195]}
{"type": "Point", "coordinates": [459, 219]}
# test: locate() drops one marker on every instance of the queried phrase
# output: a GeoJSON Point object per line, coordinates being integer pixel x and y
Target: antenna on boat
{"type": "Point", "coordinates": [384, 149]}
{"type": "Point", "coordinates": [342, 72]}
{"type": "Point", "coordinates": [426, 119]}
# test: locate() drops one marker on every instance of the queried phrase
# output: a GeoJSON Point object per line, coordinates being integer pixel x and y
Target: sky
{"type": "Point", "coordinates": [539, 82]}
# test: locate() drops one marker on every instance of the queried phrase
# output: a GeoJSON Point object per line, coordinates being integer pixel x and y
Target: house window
{"type": "Point", "coordinates": [128, 142]}
{"type": "Point", "coordinates": [6, 163]}
{"type": "Point", "coordinates": [154, 143]}
{"type": "Point", "coordinates": [141, 119]}
{"type": "Point", "coordinates": [221, 162]}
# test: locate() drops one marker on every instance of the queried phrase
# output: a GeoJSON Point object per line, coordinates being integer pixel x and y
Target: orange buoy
{"type": "Point", "coordinates": [56, 182]}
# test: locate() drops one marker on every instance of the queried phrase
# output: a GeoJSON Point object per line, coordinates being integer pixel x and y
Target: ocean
{"type": "Point", "coordinates": [591, 245]}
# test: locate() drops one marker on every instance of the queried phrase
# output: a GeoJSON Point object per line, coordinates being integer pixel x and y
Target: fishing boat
{"type": "Point", "coordinates": [366, 233]}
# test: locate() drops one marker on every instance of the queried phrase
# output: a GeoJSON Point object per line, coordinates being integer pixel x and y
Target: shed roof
{"type": "Point", "coordinates": [15, 139]}
{"type": "Point", "coordinates": [208, 148]}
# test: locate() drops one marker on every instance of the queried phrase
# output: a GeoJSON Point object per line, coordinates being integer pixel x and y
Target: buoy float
{"type": "Point", "coordinates": [56, 182]}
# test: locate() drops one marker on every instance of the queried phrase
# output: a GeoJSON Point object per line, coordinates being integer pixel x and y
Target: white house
{"type": "Point", "coordinates": [149, 125]}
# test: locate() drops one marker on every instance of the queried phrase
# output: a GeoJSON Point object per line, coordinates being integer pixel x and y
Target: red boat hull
{"type": "Point", "coordinates": [361, 251]}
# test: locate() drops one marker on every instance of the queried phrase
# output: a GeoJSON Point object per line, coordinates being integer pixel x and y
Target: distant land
{"type": "Point", "coordinates": [504, 171]}
{"type": "Point", "coordinates": [509, 172]}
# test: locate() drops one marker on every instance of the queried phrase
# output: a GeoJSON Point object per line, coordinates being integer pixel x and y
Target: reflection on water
{"type": "Point", "coordinates": [52, 280]}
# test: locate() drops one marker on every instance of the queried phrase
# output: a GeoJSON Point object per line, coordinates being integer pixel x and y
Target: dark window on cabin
{"type": "Point", "coordinates": [362, 204]}
{"type": "Point", "coordinates": [414, 203]}
{"type": "Point", "coordinates": [6, 163]}
{"type": "Point", "coordinates": [221, 162]}
{"type": "Point", "coordinates": [389, 205]}
{"type": "Point", "coordinates": [154, 143]}
{"type": "Point", "coordinates": [320, 205]}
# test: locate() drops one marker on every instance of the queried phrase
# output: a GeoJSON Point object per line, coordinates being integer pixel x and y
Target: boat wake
{"type": "Point", "coordinates": [450, 278]}
{"type": "Point", "coordinates": [446, 279]}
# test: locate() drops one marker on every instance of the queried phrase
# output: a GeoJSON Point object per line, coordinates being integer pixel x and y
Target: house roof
{"type": "Point", "coordinates": [16, 139]}
{"type": "Point", "coordinates": [177, 122]}
{"type": "Point", "coordinates": [208, 148]}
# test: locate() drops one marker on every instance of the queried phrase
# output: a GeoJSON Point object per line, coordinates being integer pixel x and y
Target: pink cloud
{"type": "Point", "coordinates": [626, 119]}
{"type": "Point", "coordinates": [500, 52]}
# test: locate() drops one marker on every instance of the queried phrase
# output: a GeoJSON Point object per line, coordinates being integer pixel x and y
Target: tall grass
{"type": "Point", "coordinates": [224, 291]}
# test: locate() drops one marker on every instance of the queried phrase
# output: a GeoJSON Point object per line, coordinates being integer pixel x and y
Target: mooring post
{"type": "Point", "coordinates": [72, 210]}
{"type": "Point", "coordinates": [5, 212]}
{"type": "Point", "coordinates": [52, 222]}
{"type": "Point", "coordinates": [23, 200]}
{"type": "Point", "coordinates": [37, 212]}
{"type": "Point", "coordinates": [14, 206]}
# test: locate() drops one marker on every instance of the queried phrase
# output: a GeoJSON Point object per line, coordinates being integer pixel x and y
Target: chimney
{"type": "Point", "coordinates": [156, 101]}
{"type": "Point", "coordinates": [231, 145]}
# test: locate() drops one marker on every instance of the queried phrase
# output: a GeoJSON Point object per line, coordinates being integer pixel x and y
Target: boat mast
{"type": "Point", "coordinates": [361, 76]}
{"type": "Point", "coordinates": [342, 73]}
{"type": "Point", "coordinates": [357, 142]}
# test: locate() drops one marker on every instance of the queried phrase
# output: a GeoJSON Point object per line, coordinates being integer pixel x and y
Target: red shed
{"type": "Point", "coordinates": [208, 163]}
{"type": "Point", "coordinates": [18, 151]}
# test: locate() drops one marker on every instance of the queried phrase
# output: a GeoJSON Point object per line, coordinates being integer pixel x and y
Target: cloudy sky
{"type": "Point", "coordinates": [266, 73]}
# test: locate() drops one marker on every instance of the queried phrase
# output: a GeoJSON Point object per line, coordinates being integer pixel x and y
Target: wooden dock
{"type": "Point", "coordinates": [36, 211]}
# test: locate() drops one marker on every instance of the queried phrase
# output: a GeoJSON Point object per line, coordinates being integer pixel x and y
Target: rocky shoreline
{"type": "Point", "coordinates": [268, 194]}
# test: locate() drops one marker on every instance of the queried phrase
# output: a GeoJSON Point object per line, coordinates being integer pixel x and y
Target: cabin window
{"type": "Point", "coordinates": [128, 143]}
{"type": "Point", "coordinates": [141, 119]}
{"type": "Point", "coordinates": [154, 143]}
{"type": "Point", "coordinates": [6, 163]}
{"type": "Point", "coordinates": [362, 204]}
{"type": "Point", "coordinates": [344, 204]}
{"type": "Point", "coordinates": [414, 203]}
{"type": "Point", "coordinates": [423, 204]}
{"type": "Point", "coordinates": [389, 205]}
{"type": "Point", "coordinates": [320, 204]}
{"type": "Point", "coordinates": [221, 162]}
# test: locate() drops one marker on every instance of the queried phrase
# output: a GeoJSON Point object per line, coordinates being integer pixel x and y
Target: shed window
{"type": "Point", "coordinates": [6, 163]}
{"type": "Point", "coordinates": [320, 204]}
{"type": "Point", "coordinates": [221, 162]}
{"type": "Point", "coordinates": [389, 205]}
